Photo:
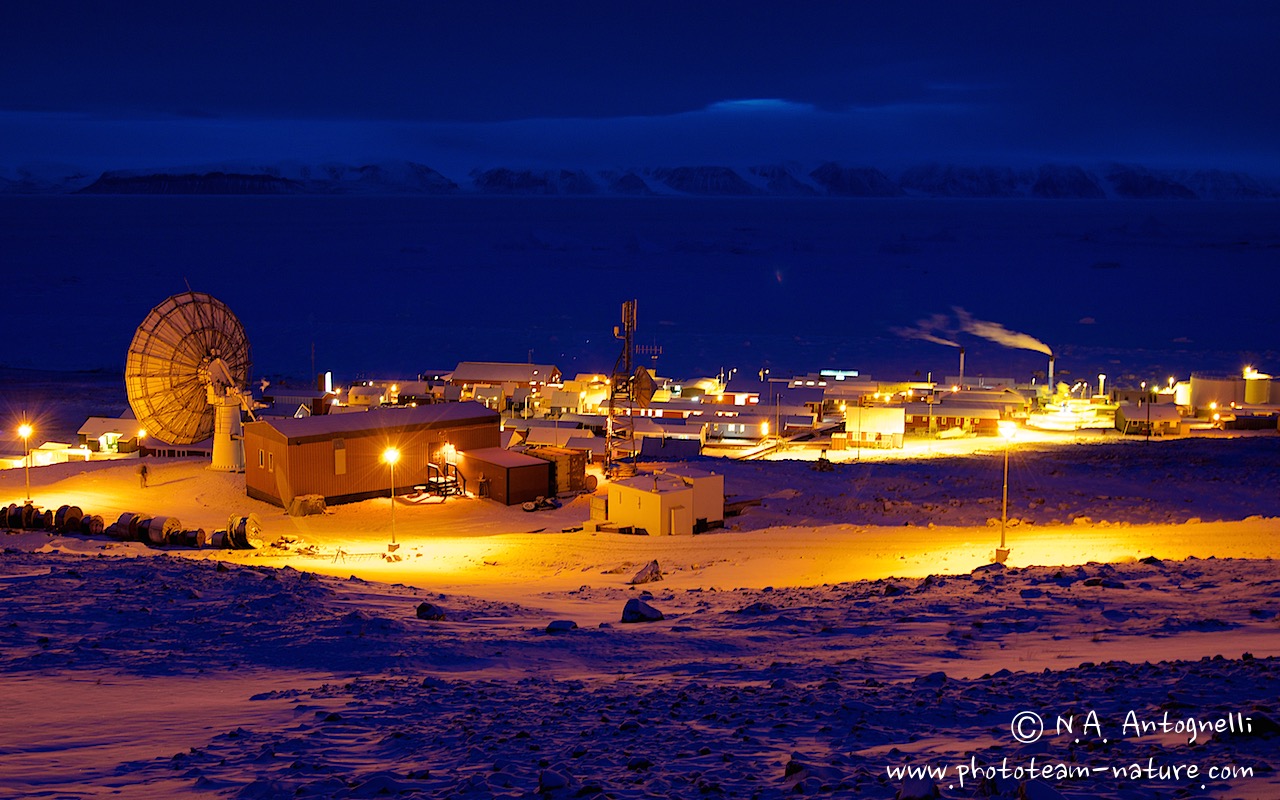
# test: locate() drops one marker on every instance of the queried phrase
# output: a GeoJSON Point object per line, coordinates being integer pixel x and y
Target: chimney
{"type": "Point", "coordinates": [1051, 361]}
{"type": "Point", "coordinates": [962, 367]}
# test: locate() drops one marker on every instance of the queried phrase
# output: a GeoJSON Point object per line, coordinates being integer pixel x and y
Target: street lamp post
{"type": "Point", "coordinates": [1146, 398]}
{"type": "Point", "coordinates": [1007, 430]}
{"type": "Point", "coordinates": [391, 455]}
{"type": "Point", "coordinates": [24, 430]}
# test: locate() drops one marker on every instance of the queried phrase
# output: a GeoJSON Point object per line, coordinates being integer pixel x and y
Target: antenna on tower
{"type": "Point", "coordinates": [620, 441]}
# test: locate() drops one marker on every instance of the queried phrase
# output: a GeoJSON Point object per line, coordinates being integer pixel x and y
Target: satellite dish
{"type": "Point", "coordinates": [643, 387]}
{"type": "Point", "coordinates": [186, 365]}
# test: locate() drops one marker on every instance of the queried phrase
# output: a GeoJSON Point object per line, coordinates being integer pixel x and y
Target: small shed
{"type": "Point", "coordinates": [509, 477]}
{"type": "Point", "coordinates": [659, 505]}
{"type": "Point", "coordinates": [876, 426]}
{"type": "Point", "coordinates": [1156, 419]}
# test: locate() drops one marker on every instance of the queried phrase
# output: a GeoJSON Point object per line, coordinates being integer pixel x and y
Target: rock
{"type": "Point", "coordinates": [562, 626]}
{"type": "Point", "coordinates": [932, 679]}
{"type": "Point", "coordinates": [1105, 583]}
{"type": "Point", "coordinates": [430, 611]}
{"type": "Point", "coordinates": [549, 781]}
{"type": "Point", "coordinates": [307, 505]}
{"type": "Point", "coordinates": [988, 569]}
{"type": "Point", "coordinates": [637, 610]}
{"type": "Point", "coordinates": [648, 574]}
{"type": "Point", "coordinates": [1152, 560]}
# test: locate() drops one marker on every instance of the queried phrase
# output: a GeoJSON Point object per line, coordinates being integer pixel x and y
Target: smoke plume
{"type": "Point", "coordinates": [999, 334]}
{"type": "Point", "coordinates": [930, 330]}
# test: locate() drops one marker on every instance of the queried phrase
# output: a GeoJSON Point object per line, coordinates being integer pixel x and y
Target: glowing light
{"type": "Point", "coordinates": [391, 455]}
{"type": "Point", "coordinates": [764, 429]}
{"type": "Point", "coordinates": [955, 389]}
{"type": "Point", "coordinates": [25, 430]}
{"type": "Point", "coordinates": [1213, 406]}
{"type": "Point", "coordinates": [1007, 429]}
{"type": "Point", "coordinates": [142, 433]}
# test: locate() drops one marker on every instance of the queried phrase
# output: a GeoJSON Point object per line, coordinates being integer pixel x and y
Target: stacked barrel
{"type": "Point", "coordinates": [156, 531]}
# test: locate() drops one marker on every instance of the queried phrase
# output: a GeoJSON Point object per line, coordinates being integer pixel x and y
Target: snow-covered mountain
{"type": "Point", "coordinates": [789, 179]}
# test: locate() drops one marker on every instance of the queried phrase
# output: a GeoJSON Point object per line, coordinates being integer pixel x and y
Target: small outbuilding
{"type": "Point", "coordinates": [659, 505]}
{"type": "Point", "coordinates": [509, 477]}
{"type": "Point", "coordinates": [1155, 419]}
{"type": "Point", "coordinates": [681, 501]}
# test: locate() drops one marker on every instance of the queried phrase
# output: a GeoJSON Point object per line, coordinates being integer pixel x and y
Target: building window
{"type": "Point", "coordinates": [271, 462]}
{"type": "Point", "coordinates": [260, 459]}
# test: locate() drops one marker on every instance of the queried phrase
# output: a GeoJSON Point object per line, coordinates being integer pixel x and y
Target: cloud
{"type": "Point", "coordinates": [767, 105]}
{"type": "Point", "coordinates": [1088, 321]}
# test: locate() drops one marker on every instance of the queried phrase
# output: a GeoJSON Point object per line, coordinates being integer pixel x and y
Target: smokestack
{"type": "Point", "coordinates": [962, 367]}
{"type": "Point", "coordinates": [1051, 361]}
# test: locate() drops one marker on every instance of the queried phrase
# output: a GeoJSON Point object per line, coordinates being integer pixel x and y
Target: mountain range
{"type": "Point", "coordinates": [829, 179]}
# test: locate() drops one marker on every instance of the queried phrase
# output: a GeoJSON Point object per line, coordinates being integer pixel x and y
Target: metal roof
{"type": "Point", "coordinates": [502, 458]}
{"type": "Point", "coordinates": [497, 372]}
{"type": "Point", "coordinates": [381, 420]}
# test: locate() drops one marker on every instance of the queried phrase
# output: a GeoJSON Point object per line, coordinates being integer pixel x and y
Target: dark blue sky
{"type": "Point", "coordinates": [150, 83]}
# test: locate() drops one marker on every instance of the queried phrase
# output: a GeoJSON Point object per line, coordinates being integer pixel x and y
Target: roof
{"type": "Point", "coordinates": [497, 372]}
{"type": "Point", "coordinates": [97, 426]}
{"type": "Point", "coordinates": [594, 445]}
{"type": "Point", "coordinates": [381, 420]}
{"type": "Point", "coordinates": [502, 458]}
{"type": "Point", "coordinates": [654, 482]}
{"type": "Point", "coordinates": [1159, 412]}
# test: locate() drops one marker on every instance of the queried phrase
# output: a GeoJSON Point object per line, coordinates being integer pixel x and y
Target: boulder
{"type": "Point", "coordinates": [637, 610]}
{"type": "Point", "coordinates": [648, 574]}
{"type": "Point", "coordinates": [562, 626]}
{"type": "Point", "coordinates": [430, 611]}
{"type": "Point", "coordinates": [306, 505]}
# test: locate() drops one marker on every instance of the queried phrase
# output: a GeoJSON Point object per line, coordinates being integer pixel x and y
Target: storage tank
{"type": "Point", "coordinates": [1257, 391]}
{"type": "Point", "coordinates": [1257, 387]}
{"type": "Point", "coordinates": [1214, 391]}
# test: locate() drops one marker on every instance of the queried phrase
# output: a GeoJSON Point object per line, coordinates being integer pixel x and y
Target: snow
{"type": "Point", "coordinates": [846, 624]}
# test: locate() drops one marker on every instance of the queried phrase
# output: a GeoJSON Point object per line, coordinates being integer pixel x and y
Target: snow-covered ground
{"type": "Point", "coordinates": [842, 628]}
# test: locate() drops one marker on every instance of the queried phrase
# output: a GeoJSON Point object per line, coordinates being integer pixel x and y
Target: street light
{"type": "Point", "coordinates": [24, 430]}
{"type": "Point", "coordinates": [1007, 431]}
{"type": "Point", "coordinates": [391, 455]}
{"type": "Point", "coordinates": [1147, 400]}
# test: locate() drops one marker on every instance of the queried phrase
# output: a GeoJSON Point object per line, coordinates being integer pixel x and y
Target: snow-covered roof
{"type": "Point", "coordinates": [95, 427]}
{"type": "Point", "coordinates": [1156, 412]}
{"type": "Point", "coordinates": [661, 484]}
{"type": "Point", "coordinates": [498, 372]}
{"type": "Point", "coordinates": [499, 457]}
{"type": "Point", "coordinates": [376, 420]}
{"type": "Point", "coordinates": [592, 444]}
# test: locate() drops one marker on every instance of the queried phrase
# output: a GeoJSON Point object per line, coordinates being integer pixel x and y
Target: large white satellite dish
{"type": "Point", "coordinates": [185, 373]}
